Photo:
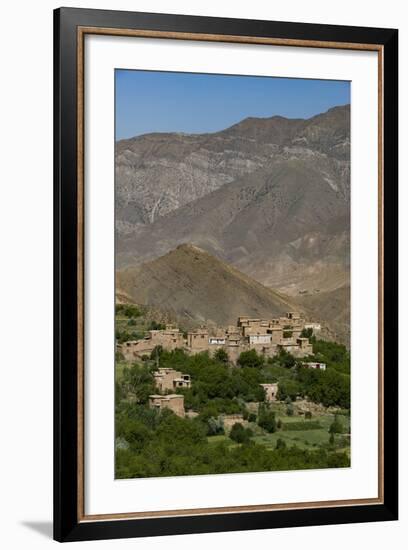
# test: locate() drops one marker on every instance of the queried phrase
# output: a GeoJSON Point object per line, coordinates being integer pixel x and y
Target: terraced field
{"type": "Point", "coordinates": [303, 438]}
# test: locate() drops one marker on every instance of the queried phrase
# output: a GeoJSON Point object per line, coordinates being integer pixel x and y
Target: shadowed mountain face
{"type": "Point", "coordinates": [270, 196]}
{"type": "Point", "coordinates": [196, 287]}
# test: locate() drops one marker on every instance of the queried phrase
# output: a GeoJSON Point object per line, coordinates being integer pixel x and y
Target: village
{"type": "Point", "coordinates": [266, 337]}
{"type": "Point", "coordinates": [263, 394]}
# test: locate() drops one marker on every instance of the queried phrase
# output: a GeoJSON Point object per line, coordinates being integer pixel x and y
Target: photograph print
{"type": "Point", "coordinates": [232, 274]}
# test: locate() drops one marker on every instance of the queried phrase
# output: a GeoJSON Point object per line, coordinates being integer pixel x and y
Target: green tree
{"type": "Point", "coordinates": [336, 427]}
{"type": "Point", "coordinates": [280, 444]}
{"type": "Point", "coordinates": [125, 336]}
{"type": "Point", "coordinates": [138, 380]}
{"type": "Point", "coordinates": [119, 393]}
{"type": "Point", "coordinates": [215, 426]}
{"type": "Point", "coordinates": [286, 359]}
{"type": "Point", "coordinates": [338, 460]}
{"type": "Point", "coordinates": [250, 359]}
{"type": "Point", "coordinates": [290, 411]}
{"type": "Point", "coordinates": [156, 353]}
{"type": "Point", "coordinates": [130, 310]}
{"type": "Point", "coordinates": [119, 356]}
{"type": "Point", "coordinates": [306, 333]}
{"type": "Point", "coordinates": [239, 434]}
{"type": "Point", "coordinates": [154, 325]}
{"type": "Point", "coordinates": [221, 355]}
{"type": "Point", "coordinates": [266, 419]}
{"type": "Point", "coordinates": [336, 356]}
{"type": "Point", "coordinates": [288, 388]}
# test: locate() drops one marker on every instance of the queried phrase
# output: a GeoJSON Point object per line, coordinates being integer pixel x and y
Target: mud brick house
{"type": "Point", "coordinates": [174, 402]}
{"type": "Point", "coordinates": [170, 338]}
{"type": "Point", "coordinates": [271, 391]}
{"type": "Point", "coordinates": [314, 365]}
{"type": "Point", "coordinates": [267, 336]}
{"type": "Point", "coordinates": [170, 379]}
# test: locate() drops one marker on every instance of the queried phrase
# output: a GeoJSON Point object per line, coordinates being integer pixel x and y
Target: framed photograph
{"type": "Point", "coordinates": [225, 274]}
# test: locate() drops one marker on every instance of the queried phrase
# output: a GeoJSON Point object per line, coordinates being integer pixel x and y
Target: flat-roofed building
{"type": "Point", "coordinates": [316, 327]}
{"type": "Point", "coordinates": [266, 336]}
{"type": "Point", "coordinates": [230, 419]}
{"type": "Point", "coordinates": [314, 365]}
{"type": "Point", "coordinates": [170, 338]}
{"type": "Point", "coordinates": [197, 340]}
{"type": "Point", "coordinates": [135, 349]}
{"type": "Point", "coordinates": [174, 402]}
{"type": "Point", "coordinates": [170, 379]}
{"type": "Point", "coordinates": [216, 341]}
{"type": "Point", "coordinates": [271, 391]}
{"type": "Point", "coordinates": [305, 347]}
{"type": "Point", "coordinates": [259, 339]}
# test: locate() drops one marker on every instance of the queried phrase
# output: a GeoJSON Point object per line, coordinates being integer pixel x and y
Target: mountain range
{"type": "Point", "coordinates": [268, 197]}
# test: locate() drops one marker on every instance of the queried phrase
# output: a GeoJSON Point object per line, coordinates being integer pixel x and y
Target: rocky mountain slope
{"type": "Point", "coordinates": [332, 309]}
{"type": "Point", "coordinates": [270, 196]}
{"type": "Point", "coordinates": [158, 173]}
{"type": "Point", "coordinates": [195, 287]}
{"type": "Point", "coordinates": [284, 227]}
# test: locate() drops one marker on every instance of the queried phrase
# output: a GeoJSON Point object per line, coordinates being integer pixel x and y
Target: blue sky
{"type": "Point", "coordinates": [150, 101]}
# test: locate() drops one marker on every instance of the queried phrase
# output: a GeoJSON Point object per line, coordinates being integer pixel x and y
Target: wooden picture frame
{"type": "Point", "coordinates": [70, 27]}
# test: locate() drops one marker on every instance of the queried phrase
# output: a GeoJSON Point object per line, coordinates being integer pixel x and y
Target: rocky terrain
{"type": "Point", "coordinates": [269, 196]}
{"type": "Point", "coordinates": [195, 287]}
{"type": "Point", "coordinates": [332, 309]}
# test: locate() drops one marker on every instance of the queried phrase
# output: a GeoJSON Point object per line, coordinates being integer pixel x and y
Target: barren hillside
{"type": "Point", "coordinates": [198, 287]}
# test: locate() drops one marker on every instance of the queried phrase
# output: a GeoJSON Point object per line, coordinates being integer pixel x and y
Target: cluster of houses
{"type": "Point", "coordinates": [168, 380]}
{"type": "Point", "coordinates": [267, 337]}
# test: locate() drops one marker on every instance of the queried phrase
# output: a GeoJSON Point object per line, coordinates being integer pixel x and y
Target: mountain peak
{"type": "Point", "coordinates": [188, 248]}
{"type": "Point", "coordinates": [199, 288]}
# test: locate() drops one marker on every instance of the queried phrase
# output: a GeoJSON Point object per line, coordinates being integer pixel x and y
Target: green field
{"type": "Point", "coordinates": [304, 439]}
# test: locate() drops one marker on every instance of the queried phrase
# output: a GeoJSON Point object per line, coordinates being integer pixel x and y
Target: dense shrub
{"type": "Point", "coordinates": [221, 355]}
{"type": "Point", "coordinates": [128, 310]}
{"type": "Point", "coordinates": [126, 335]}
{"type": "Point", "coordinates": [286, 359]}
{"type": "Point", "coordinates": [239, 434]}
{"type": "Point", "coordinates": [267, 419]}
{"type": "Point", "coordinates": [306, 333]}
{"type": "Point", "coordinates": [280, 444]}
{"type": "Point", "coordinates": [250, 359]}
{"type": "Point", "coordinates": [156, 326]}
{"type": "Point", "coordinates": [138, 379]}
